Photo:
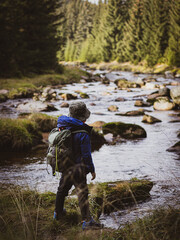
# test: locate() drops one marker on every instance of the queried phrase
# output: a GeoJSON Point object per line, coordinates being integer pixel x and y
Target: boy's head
{"type": "Point", "coordinates": [79, 111]}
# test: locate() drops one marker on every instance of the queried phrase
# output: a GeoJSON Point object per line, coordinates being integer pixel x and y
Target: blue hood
{"type": "Point", "coordinates": [72, 123]}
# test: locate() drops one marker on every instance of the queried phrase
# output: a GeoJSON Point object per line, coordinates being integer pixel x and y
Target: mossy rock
{"type": "Point", "coordinates": [84, 95]}
{"type": "Point", "coordinates": [45, 122]}
{"type": "Point", "coordinates": [18, 135]}
{"type": "Point", "coordinates": [113, 196]}
{"type": "Point", "coordinates": [125, 130]}
{"type": "Point", "coordinates": [97, 140]}
{"type": "Point", "coordinates": [124, 83]}
{"type": "Point", "coordinates": [3, 98]}
{"type": "Point", "coordinates": [21, 93]}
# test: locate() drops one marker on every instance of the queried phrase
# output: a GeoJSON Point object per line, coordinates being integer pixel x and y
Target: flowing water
{"type": "Point", "coordinates": [145, 159]}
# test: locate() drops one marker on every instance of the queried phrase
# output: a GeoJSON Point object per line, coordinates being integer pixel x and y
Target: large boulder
{"type": "Point", "coordinates": [163, 104]}
{"type": "Point", "coordinates": [150, 119]}
{"type": "Point", "coordinates": [113, 196]}
{"type": "Point", "coordinates": [97, 140]}
{"type": "Point", "coordinates": [45, 122]}
{"type": "Point", "coordinates": [18, 135]}
{"type": "Point", "coordinates": [175, 95]}
{"type": "Point", "coordinates": [125, 130]}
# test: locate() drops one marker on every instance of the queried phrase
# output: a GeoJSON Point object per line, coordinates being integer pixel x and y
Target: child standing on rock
{"type": "Point", "coordinates": [83, 164]}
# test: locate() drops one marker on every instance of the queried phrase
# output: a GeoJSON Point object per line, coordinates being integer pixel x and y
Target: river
{"type": "Point", "coordinates": [145, 158]}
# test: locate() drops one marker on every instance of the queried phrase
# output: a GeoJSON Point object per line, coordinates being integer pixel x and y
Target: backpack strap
{"type": "Point", "coordinates": [80, 131]}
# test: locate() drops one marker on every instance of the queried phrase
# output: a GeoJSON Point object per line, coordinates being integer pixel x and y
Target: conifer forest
{"type": "Point", "coordinates": [36, 35]}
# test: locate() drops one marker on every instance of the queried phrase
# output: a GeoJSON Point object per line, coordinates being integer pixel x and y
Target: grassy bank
{"type": "Point", "coordinates": [139, 68]}
{"type": "Point", "coordinates": [26, 214]}
{"type": "Point", "coordinates": [18, 134]}
{"type": "Point", "coordinates": [70, 75]}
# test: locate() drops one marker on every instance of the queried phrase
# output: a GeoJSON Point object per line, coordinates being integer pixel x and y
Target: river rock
{"type": "Point", "coordinates": [97, 140]}
{"type": "Point", "coordinates": [141, 103]}
{"type": "Point", "coordinates": [85, 78]}
{"type": "Point", "coordinates": [120, 99]}
{"type": "Point", "coordinates": [125, 130]}
{"type": "Point", "coordinates": [139, 112]}
{"type": "Point", "coordinates": [150, 86]}
{"type": "Point", "coordinates": [48, 94]}
{"type": "Point", "coordinates": [175, 83]}
{"type": "Point", "coordinates": [150, 119]}
{"type": "Point", "coordinates": [82, 81]}
{"type": "Point", "coordinates": [113, 108]}
{"type": "Point", "coordinates": [163, 104]}
{"type": "Point", "coordinates": [124, 83]}
{"type": "Point", "coordinates": [175, 148]}
{"type": "Point", "coordinates": [113, 196]}
{"type": "Point", "coordinates": [97, 124]}
{"type": "Point", "coordinates": [175, 95]}
{"type": "Point", "coordinates": [169, 74]}
{"type": "Point", "coordinates": [3, 95]}
{"type": "Point", "coordinates": [164, 92]}
{"type": "Point", "coordinates": [149, 79]}
{"type": "Point", "coordinates": [105, 80]}
{"type": "Point", "coordinates": [64, 105]}
{"type": "Point", "coordinates": [35, 106]}
{"type": "Point", "coordinates": [140, 81]}
{"type": "Point", "coordinates": [177, 75]}
{"type": "Point", "coordinates": [68, 96]}
{"type": "Point", "coordinates": [84, 95]}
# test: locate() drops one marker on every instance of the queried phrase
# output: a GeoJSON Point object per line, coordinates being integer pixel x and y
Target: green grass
{"type": "Point", "coordinates": [18, 134]}
{"type": "Point", "coordinates": [69, 75]}
{"type": "Point", "coordinates": [28, 215]}
{"type": "Point", "coordinates": [163, 224]}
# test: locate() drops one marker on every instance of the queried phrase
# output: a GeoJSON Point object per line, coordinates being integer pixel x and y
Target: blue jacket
{"type": "Point", "coordinates": [81, 141]}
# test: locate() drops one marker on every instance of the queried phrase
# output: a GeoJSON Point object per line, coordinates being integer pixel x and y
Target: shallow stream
{"type": "Point", "coordinates": [146, 158]}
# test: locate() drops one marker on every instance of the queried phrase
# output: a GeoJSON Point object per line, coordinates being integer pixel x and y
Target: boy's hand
{"type": "Point", "coordinates": [93, 175]}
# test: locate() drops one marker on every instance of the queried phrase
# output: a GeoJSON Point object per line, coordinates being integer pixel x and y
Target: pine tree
{"type": "Point", "coordinates": [29, 29]}
{"type": "Point", "coordinates": [84, 28]}
{"type": "Point", "coordinates": [132, 39]}
{"type": "Point", "coordinates": [152, 32]}
{"type": "Point", "coordinates": [116, 17]}
{"type": "Point", "coordinates": [173, 51]}
{"type": "Point", "coordinates": [96, 38]}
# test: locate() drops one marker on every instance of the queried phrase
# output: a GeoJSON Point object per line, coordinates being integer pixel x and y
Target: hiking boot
{"type": "Point", "coordinates": [59, 216]}
{"type": "Point", "coordinates": [91, 225]}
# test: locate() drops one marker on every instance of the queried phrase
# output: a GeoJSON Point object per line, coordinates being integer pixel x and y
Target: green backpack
{"type": "Point", "coordinates": [60, 154]}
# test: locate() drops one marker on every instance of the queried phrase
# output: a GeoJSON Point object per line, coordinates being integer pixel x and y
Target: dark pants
{"type": "Point", "coordinates": [77, 177]}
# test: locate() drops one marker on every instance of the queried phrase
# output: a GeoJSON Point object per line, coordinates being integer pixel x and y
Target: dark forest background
{"type": "Point", "coordinates": [36, 35]}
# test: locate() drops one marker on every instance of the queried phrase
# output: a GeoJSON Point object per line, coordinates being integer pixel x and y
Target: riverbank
{"type": "Point", "coordinates": [26, 214]}
{"type": "Point", "coordinates": [128, 66]}
{"type": "Point", "coordinates": [11, 88]}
